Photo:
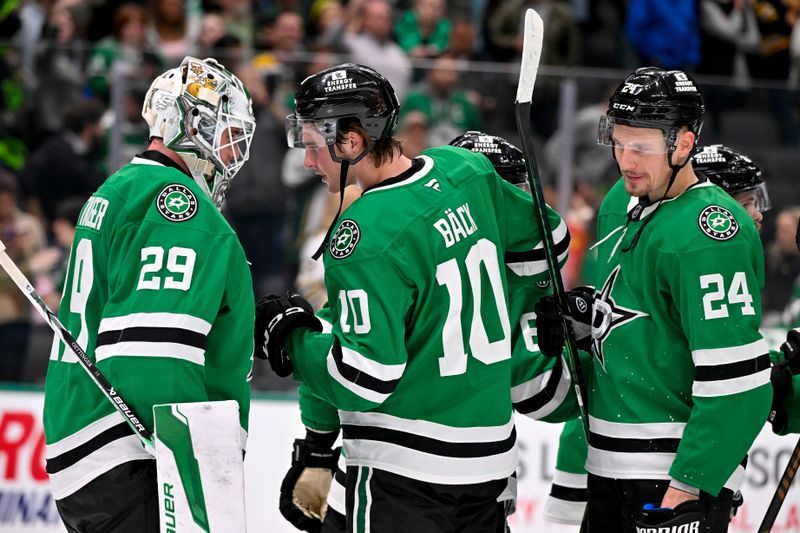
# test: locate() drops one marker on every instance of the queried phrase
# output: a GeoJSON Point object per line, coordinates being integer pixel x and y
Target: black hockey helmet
{"type": "Point", "coordinates": [344, 91]}
{"type": "Point", "coordinates": [506, 158]}
{"type": "Point", "coordinates": [731, 170]}
{"type": "Point", "coordinates": [652, 97]}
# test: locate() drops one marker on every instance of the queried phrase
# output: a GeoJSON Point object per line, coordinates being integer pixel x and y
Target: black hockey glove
{"type": "Point", "coordinates": [781, 379]}
{"type": "Point", "coordinates": [276, 317]}
{"type": "Point", "coordinates": [691, 514]}
{"type": "Point", "coordinates": [304, 491]}
{"type": "Point", "coordinates": [550, 326]}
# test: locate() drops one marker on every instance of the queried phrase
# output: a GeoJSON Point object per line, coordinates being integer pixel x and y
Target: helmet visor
{"type": "Point", "coordinates": [640, 137]}
{"type": "Point", "coordinates": [757, 198]}
{"type": "Point", "coordinates": [309, 133]}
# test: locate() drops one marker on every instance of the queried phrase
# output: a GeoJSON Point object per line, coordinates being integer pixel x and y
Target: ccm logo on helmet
{"type": "Point", "coordinates": [624, 107]}
{"type": "Point", "coordinates": [692, 527]}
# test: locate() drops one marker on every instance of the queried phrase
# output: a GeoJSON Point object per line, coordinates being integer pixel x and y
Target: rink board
{"type": "Point", "coordinates": [26, 505]}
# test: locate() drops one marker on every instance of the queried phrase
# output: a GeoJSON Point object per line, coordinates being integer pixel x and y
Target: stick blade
{"type": "Point", "coordinates": [531, 54]}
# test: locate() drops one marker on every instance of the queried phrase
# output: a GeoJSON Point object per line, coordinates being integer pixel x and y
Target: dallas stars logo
{"type": "Point", "coordinates": [718, 223]}
{"type": "Point", "coordinates": [176, 203]}
{"type": "Point", "coordinates": [345, 239]}
{"type": "Point", "coordinates": [613, 315]}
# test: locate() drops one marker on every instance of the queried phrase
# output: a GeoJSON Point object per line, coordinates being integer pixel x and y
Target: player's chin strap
{"type": "Point", "coordinates": [675, 169]}
{"type": "Point", "coordinates": [342, 184]}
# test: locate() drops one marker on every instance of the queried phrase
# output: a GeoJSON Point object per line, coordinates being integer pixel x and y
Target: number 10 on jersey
{"type": "Point", "coordinates": [450, 275]}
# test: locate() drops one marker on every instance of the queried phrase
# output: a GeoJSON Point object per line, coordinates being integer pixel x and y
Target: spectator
{"type": "Point", "coordinates": [173, 30]}
{"type": "Point", "coordinates": [776, 20]}
{"type": "Point", "coordinates": [561, 44]}
{"type": "Point", "coordinates": [212, 29]}
{"type": "Point", "coordinates": [373, 46]}
{"type": "Point", "coordinates": [59, 69]}
{"type": "Point", "coordinates": [238, 19]}
{"type": "Point", "coordinates": [413, 132]}
{"type": "Point", "coordinates": [256, 206]}
{"type": "Point", "coordinates": [449, 111]}
{"type": "Point", "coordinates": [66, 164]}
{"type": "Point", "coordinates": [782, 261]}
{"type": "Point", "coordinates": [23, 236]}
{"type": "Point", "coordinates": [664, 34]}
{"type": "Point", "coordinates": [728, 31]}
{"type": "Point", "coordinates": [423, 31]}
{"type": "Point", "coordinates": [126, 44]}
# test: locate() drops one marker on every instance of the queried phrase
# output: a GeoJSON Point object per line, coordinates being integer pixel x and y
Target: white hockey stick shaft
{"type": "Point", "coordinates": [529, 68]}
{"type": "Point", "coordinates": [100, 380]}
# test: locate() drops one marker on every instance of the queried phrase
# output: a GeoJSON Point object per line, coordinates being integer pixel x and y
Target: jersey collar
{"type": "Point", "coordinates": [420, 166]}
{"type": "Point", "coordinates": [648, 208]}
{"type": "Point", "coordinates": [154, 157]}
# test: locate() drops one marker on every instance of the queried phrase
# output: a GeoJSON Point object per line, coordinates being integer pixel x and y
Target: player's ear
{"type": "Point", "coordinates": [686, 141]}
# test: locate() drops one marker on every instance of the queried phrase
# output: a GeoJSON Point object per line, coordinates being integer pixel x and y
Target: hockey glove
{"type": "Point", "coordinates": [781, 379]}
{"type": "Point", "coordinates": [276, 317]}
{"type": "Point", "coordinates": [550, 325]}
{"type": "Point", "coordinates": [687, 516]}
{"type": "Point", "coordinates": [304, 490]}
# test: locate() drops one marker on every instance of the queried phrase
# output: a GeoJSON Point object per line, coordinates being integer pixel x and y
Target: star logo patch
{"type": "Point", "coordinates": [613, 315]}
{"type": "Point", "coordinates": [176, 203]}
{"type": "Point", "coordinates": [345, 239]}
{"type": "Point", "coordinates": [718, 223]}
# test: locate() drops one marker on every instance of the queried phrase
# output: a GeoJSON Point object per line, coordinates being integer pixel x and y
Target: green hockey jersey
{"type": "Point", "coordinates": [681, 381]}
{"type": "Point", "coordinates": [418, 360]}
{"type": "Point", "coordinates": [158, 293]}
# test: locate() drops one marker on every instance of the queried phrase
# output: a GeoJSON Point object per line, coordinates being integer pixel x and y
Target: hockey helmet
{"type": "Point", "coordinates": [733, 171]}
{"type": "Point", "coordinates": [204, 113]}
{"type": "Point", "coordinates": [348, 90]}
{"type": "Point", "coordinates": [506, 158]}
{"type": "Point", "coordinates": [652, 97]}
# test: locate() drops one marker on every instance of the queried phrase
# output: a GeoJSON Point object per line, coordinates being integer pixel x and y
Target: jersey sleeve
{"type": "Point", "coordinates": [364, 355]}
{"type": "Point", "coordinates": [716, 293]}
{"type": "Point", "coordinates": [525, 255]}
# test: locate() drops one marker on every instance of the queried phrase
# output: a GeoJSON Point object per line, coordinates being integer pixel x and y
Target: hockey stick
{"type": "Point", "coordinates": [100, 380]}
{"type": "Point", "coordinates": [531, 52]}
{"type": "Point", "coordinates": [780, 492]}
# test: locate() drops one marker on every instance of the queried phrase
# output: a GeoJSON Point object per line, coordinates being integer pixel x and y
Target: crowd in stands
{"type": "Point", "coordinates": [73, 74]}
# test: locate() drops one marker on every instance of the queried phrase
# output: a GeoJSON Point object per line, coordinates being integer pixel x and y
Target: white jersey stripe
{"type": "Point", "coordinates": [83, 435]}
{"type": "Point", "coordinates": [567, 479]}
{"type": "Point", "coordinates": [724, 387]}
{"type": "Point", "coordinates": [563, 511]}
{"type": "Point", "coordinates": [115, 453]}
{"type": "Point", "coordinates": [375, 369]}
{"type": "Point", "coordinates": [731, 354]}
{"type": "Point", "coordinates": [432, 430]}
{"type": "Point", "coordinates": [427, 467]}
{"type": "Point", "coordinates": [368, 394]}
{"type": "Point", "coordinates": [658, 430]}
{"type": "Point", "coordinates": [155, 320]}
{"type": "Point", "coordinates": [151, 349]}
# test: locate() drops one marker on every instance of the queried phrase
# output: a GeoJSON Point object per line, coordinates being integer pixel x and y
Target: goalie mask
{"type": "Point", "coordinates": [204, 113]}
{"type": "Point", "coordinates": [733, 171]}
{"type": "Point", "coordinates": [344, 91]}
{"type": "Point", "coordinates": [506, 158]}
{"type": "Point", "coordinates": [654, 98]}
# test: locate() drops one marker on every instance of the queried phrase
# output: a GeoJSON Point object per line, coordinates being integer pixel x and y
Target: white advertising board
{"type": "Point", "coordinates": [27, 507]}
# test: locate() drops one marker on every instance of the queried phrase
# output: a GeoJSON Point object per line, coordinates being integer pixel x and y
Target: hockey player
{"type": "Point", "coordinates": [738, 175]}
{"type": "Point", "coordinates": [539, 385]}
{"type": "Point", "coordinates": [681, 375]}
{"type": "Point", "coordinates": [418, 361]}
{"type": "Point", "coordinates": [159, 295]}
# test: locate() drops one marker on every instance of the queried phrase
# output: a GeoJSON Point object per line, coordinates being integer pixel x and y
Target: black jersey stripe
{"type": "Point", "coordinates": [732, 370]}
{"type": "Point", "coordinates": [359, 377]}
{"type": "Point", "coordinates": [340, 477]}
{"type": "Point", "coordinates": [541, 398]}
{"type": "Point", "coordinates": [65, 460]}
{"type": "Point", "coordinates": [569, 494]}
{"type": "Point", "coordinates": [537, 254]}
{"type": "Point", "coordinates": [428, 444]}
{"type": "Point", "coordinates": [626, 445]}
{"type": "Point", "coordinates": [151, 334]}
